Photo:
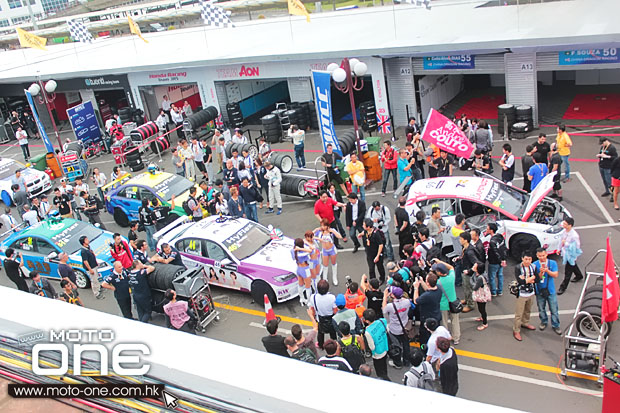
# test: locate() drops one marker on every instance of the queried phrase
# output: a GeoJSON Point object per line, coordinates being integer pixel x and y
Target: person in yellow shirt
{"type": "Point", "coordinates": [564, 144]}
{"type": "Point", "coordinates": [356, 171]}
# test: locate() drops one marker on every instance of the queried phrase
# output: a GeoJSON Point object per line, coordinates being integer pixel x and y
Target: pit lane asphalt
{"type": "Point", "coordinates": [494, 367]}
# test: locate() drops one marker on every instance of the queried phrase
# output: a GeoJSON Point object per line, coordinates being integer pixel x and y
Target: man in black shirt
{"type": "Point", "coordinates": [469, 257]}
{"type": "Point", "coordinates": [526, 163]}
{"type": "Point", "coordinates": [374, 243]}
{"type": "Point", "coordinates": [12, 268]}
{"type": "Point", "coordinates": [63, 203]}
{"type": "Point", "coordinates": [118, 281]}
{"type": "Point", "coordinates": [140, 253]}
{"type": "Point", "coordinates": [332, 360]}
{"type": "Point", "coordinates": [606, 156]}
{"type": "Point", "coordinates": [443, 164]}
{"type": "Point", "coordinates": [89, 260]}
{"type": "Point", "coordinates": [274, 343]}
{"type": "Point", "coordinates": [449, 367]}
{"type": "Point", "coordinates": [132, 235]}
{"type": "Point", "coordinates": [65, 271]}
{"type": "Point", "coordinates": [555, 165]}
{"type": "Point", "coordinates": [542, 147]}
{"type": "Point", "coordinates": [411, 130]}
{"type": "Point", "coordinates": [374, 294]}
{"type": "Point", "coordinates": [148, 222]}
{"type": "Point", "coordinates": [403, 226]}
{"type": "Point", "coordinates": [168, 255]}
{"type": "Point", "coordinates": [140, 289]}
{"type": "Point", "coordinates": [329, 159]}
{"type": "Point", "coordinates": [91, 210]}
{"type": "Point", "coordinates": [428, 301]}
{"type": "Point", "coordinates": [161, 213]}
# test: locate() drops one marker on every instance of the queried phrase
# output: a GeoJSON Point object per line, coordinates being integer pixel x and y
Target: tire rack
{"type": "Point", "coordinates": [583, 348]}
{"type": "Point", "coordinates": [143, 147]}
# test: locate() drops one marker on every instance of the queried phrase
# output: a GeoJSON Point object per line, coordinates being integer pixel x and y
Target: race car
{"type": "Point", "coordinates": [41, 244]}
{"type": "Point", "coordinates": [237, 253]}
{"type": "Point", "coordinates": [123, 197]}
{"type": "Point", "coordinates": [528, 221]}
{"type": "Point", "coordinates": [37, 182]}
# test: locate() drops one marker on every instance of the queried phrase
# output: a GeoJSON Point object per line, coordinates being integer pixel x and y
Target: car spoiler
{"type": "Point", "coordinates": [116, 183]}
{"type": "Point", "coordinates": [174, 224]}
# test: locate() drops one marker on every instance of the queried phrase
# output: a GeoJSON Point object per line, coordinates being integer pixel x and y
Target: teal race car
{"type": "Point", "coordinates": [41, 244]}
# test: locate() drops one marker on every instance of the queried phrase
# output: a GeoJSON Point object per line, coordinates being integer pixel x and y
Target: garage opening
{"type": "Point", "coordinates": [341, 106]}
{"type": "Point", "coordinates": [579, 96]}
{"type": "Point", "coordinates": [256, 98]}
{"type": "Point", "coordinates": [153, 96]}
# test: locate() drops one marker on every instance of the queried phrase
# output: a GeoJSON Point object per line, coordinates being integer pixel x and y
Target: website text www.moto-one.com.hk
{"type": "Point", "coordinates": [87, 391]}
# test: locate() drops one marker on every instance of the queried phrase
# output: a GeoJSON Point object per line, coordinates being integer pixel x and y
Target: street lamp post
{"type": "Point", "coordinates": [45, 94]}
{"type": "Point", "coordinates": [348, 77]}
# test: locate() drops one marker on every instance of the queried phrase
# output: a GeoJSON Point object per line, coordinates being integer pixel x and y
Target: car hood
{"type": "Point", "coordinates": [30, 174]}
{"type": "Point", "coordinates": [276, 254]}
{"type": "Point", "coordinates": [542, 189]}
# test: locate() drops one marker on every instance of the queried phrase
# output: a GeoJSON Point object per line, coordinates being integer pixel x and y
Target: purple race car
{"type": "Point", "coordinates": [237, 253]}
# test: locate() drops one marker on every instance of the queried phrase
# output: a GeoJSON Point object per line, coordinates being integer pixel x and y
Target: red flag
{"type": "Point", "coordinates": [611, 289]}
{"type": "Point", "coordinates": [447, 136]}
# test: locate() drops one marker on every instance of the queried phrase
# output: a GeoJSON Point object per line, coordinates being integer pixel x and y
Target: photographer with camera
{"type": "Point", "coordinates": [161, 213]}
{"type": "Point", "coordinates": [329, 159]}
{"type": "Point", "coordinates": [381, 218]}
{"type": "Point", "coordinates": [91, 209]}
{"type": "Point", "coordinates": [403, 226]}
{"type": "Point", "coordinates": [527, 277]}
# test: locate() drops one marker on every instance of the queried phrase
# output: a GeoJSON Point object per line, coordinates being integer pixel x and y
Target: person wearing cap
{"type": "Point", "coordinates": [381, 218]}
{"type": "Point", "coordinates": [354, 212]}
{"type": "Point", "coordinates": [606, 155]}
{"type": "Point", "coordinates": [239, 137]}
{"type": "Point", "coordinates": [446, 283]}
{"type": "Point", "coordinates": [357, 172]}
{"type": "Point", "coordinates": [396, 311]}
{"type": "Point", "coordinates": [397, 274]}
{"type": "Point", "coordinates": [274, 342]}
{"type": "Point", "coordinates": [89, 260]}
{"type": "Point", "coordinates": [428, 302]}
{"type": "Point", "coordinates": [347, 315]}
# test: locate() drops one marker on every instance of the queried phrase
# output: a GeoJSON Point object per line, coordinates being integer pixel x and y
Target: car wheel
{"type": "Point", "coordinates": [81, 279]}
{"type": "Point", "coordinates": [121, 218]}
{"type": "Point", "coordinates": [521, 243]}
{"type": "Point", "coordinates": [258, 290]}
{"type": "Point", "coordinates": [584, 324]}
{"type": "Point", "coordinates": [6, 198]}
{"type": "Point", "coordinates": [594, 291]}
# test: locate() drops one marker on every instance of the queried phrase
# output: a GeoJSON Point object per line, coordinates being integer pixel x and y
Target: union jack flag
{"type": "Point", "coordinates": [384, 124]}
{"type": "Point", "coordinates": [218, 121]}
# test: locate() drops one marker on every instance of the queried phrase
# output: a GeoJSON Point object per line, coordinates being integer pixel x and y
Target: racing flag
{"type": "Point", "coordinates": [297, 8]}
{"type": "Point", "coordinates": [611, 289]}
{"type": "Point", "coordinates": [447, 136]}
{"type": "Point", "coordinates": [135, 29]}
{"type": "Point", "coordinates": [30, 40]}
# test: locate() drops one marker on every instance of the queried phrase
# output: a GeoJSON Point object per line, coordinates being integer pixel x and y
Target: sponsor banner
{"type": "Point", "coordinates": [84, 122]}
{"type": "Point", "coordinates": [457, 61]}
{"type": "Point", "coordinates": [322, 89]}
{"type": "Point", "coordinates": [46, 140]}
{"type": "Point", "coordinates": [588, 56]}
{"type": "Point", "coordinates": [444, 134]}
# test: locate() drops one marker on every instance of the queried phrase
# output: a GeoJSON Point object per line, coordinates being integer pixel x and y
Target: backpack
{"type": "Point", "coordinates": [352, 353]}
{"type": "Point", "coordinates": [432, 252]}
{"type": "Point", "coordinates": [186, 207]}
{"type": "Point", "coordinates": [425, 380]}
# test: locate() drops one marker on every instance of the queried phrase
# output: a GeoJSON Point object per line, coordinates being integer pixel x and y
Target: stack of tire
{"type": "Point", "coordinates": [160, 144]}
{"type": "Point", "coordinates": [510, 112]}
{"type": "Point", "coordinates": [282, 161]}
{"type": "Point", "coordinates": [199, 119]}
{"type": "Point", "coordinates": [126, 114]}
{"type": "Point", "coordinates": [524, 119]}
{"type": "Point", "coordinates": [293, 185]}
{"type": "Point", "coordinates": [235, 117]}
{"type": "Point", "coordinates": [302, 115]}
{"type": "Point", "coordinates": [296, 117]}
{"type": "Point", "coordinates": [144, 132]}
{"type": "Point", "coordinates": [368, 115]}
{"type": "Point", "coordinates": [348, 141]}
{"type": "Point", "coordinates": [138, 116]}
{"type": "Point", "coordinates": [272, 127]}
{"type": "Point", "coordinates": [239, 147]}
{"type": "Point", "coordinates": [312, 116]}
{"type": "Point", "coordinates": [161, 279]}
{"type": "Point", "coordinates": [592, 304]}
{"type": "Point", "coordinates": [134, 160]}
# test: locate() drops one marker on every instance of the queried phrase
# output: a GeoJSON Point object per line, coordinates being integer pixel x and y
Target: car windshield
{"type": "Point", "coordinates": [7, 170]}
{"type": "Point", "coordinates": [174, 185]}
{"type": "Point", "coordinates": [68, 239]}
{"type": "Point", "coordinates": [507, 198]}
{"type": "Point", "coordinates": [249, 239]}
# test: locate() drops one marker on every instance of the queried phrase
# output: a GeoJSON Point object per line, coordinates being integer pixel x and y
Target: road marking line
{"type": "Point", "coordinates": [464, 353]}
{"type": "Point", "coordinates": [615, 224]}
{"type": "Point", "coordinates": [281, 330]}
{"type": "Point", "coordinates": [595, 198]}
{"type": "Point", "coordinates": [529, 380]}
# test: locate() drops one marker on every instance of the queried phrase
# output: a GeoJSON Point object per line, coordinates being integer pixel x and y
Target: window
{"type": "Point", "coordinates": [50, 6]}
{"type": "Point", "coordinates": [129, 192]}
{"type": "Point", "coordinates": [145, 193]}
{"type": "Point", "coordinates": [472, 209]}
{"type": "Point", "coordinates": [447, 206]}
{"type": "Point", "coordinates": [215, 252]}
{"type": "Point", "coordinates": [44, 247]}
{"type": "Point", "coordinates": [4, 23]}
{"type": "Point", "coordinates": [14, 4]}
{"type": "Point", "coordinates": [24, 244]}
{"type": "Point", "coordinates": [190, 246]}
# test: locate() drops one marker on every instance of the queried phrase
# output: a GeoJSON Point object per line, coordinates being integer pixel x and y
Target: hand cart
{"type": "Point", "coordinates": [73, 166]}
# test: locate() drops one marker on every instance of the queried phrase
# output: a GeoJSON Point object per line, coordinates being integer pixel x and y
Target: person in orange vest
{"type": "Point", "coordinates": [354, 298]}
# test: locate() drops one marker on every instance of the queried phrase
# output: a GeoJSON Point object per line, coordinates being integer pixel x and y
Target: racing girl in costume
{"type": "Point", "coordinates": [301, 255]}
{"type": "Point", "coordinates": [315, 257]}
{"type": "Point", "coordinates": [325, 234]}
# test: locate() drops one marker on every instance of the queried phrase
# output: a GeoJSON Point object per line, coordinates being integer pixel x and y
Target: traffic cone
{"type": "Point", "coordinates": [269, 314]}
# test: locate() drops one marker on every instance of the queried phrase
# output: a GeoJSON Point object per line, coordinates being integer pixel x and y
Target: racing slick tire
{"type": "Point", "coordinates": [162, 277]}
{"type": "Point", "coordinates": [521, 243]}
{"type": "Point", "coordinates": [259, 288]}
{"type": "Point", "coordinates": [121, 218]}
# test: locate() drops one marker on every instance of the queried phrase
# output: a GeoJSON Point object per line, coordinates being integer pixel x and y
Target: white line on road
{"type": "Point", "coordinates": [597, 201]}
{"type": "Point", "coordinates": [281, 330]}
{"type": "Point", "coordinates": [529, 380]}
{"type": "Point", "coordinates": [615, 224]}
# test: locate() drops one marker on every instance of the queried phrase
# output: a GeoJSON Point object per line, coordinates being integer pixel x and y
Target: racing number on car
{"type": "Point", "coordinates": [42, 267]}
{"type": "Point", "coordinates": [217, 264]}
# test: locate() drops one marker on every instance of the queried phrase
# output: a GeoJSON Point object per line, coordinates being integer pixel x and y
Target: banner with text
{"type": "Point", "coordinates": [84, 122]}
{"type": "Point", "coordinates": [446, 135]}
{"type": "Point", "coordinates": [588, 57]}
{"type": "Point", "coordinates": [46, 140]}
{"type": "Point", "coordinates": [322, 88]}
{"type": "Point", "coordinates": [458, 61]}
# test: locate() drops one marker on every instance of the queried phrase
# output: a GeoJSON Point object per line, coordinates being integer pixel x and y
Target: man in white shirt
{"type": "Point", "coordinates": [437, 330]}
{"type": "Point", "coordinates": [239, 137]}
{"type": "Point", "coordinates": [322, 309]}
{"type": "Point", "coordinates": [199, 155]}
{"type": "Point", "coordinates": [30, 217]}
{"type": "Point", "coordinates": [44, 207]}
{"type": "Point", "coordinates": [419, 367]}
{"type": "Point", "coordinates": [177, 118]}
{"type": "Point", "coordinates": [7, 219]}
{"type": "Point", "coordinates": [425, 241]}
{"type": "Point", "coordinates": [162, 121]}
{"type": "Point", "coordinates": [22, 138]}
{"type": "Point", "coordinates": [166, 105]}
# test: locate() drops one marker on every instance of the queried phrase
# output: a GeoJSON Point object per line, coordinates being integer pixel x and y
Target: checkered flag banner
{"type": "Point", "coordinates": [215, 16]}
{"type": "Point", "coordinates": [79, 31]}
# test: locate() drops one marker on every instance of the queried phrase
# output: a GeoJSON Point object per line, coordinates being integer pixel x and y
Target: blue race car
{"type": "Point", "coordinates": [41, 244]}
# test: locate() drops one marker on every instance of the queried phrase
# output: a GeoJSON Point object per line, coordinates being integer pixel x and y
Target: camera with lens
{"type": "Point", "coordinates": [348, 281]}
{"type": "Point", "coordinates": [380, 224]}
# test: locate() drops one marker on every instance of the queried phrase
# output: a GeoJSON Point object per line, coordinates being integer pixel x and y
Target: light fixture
{"type": "Point", "coordinates": [360, 69]}
{"type": "Point", "coordinates": [50, 86]}
{"type": "Point", "coordinates": [352, 62]}
{"type": "Point", "coordinates": [331, 67]}
{"type": "Point", "coordinates": [339, 75]}
{"type": "Point", "coordinates": [34, 89]}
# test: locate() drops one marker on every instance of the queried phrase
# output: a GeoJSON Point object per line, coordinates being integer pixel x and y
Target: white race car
{"type": "Point", "coordinates": [37, 182]}
{"type": "Point", "coordinates": [237, 253]}
{"type": "Point", "coordinates": [528, 221]}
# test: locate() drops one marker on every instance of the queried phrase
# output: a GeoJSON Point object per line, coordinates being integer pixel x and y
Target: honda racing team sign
{"type": "Point", "coordinates": [447, 136]}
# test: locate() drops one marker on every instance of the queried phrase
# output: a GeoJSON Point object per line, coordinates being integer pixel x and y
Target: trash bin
{"type": "Point", "coordinates": [374, 143]}
{"type": "Point", "coordinates": [39, 162]}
